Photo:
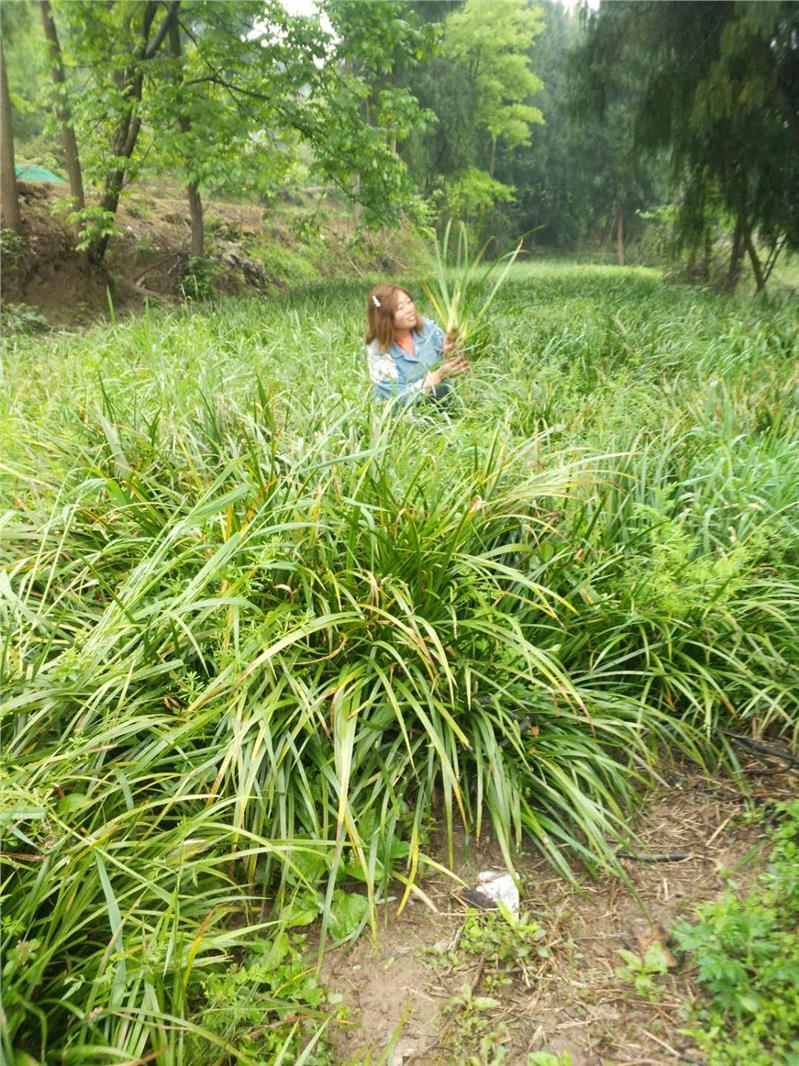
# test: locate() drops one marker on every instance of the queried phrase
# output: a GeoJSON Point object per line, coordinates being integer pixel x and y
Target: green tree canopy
{"type": "Point", "coordinates": [491, 41]}
{"type": "Point", "coordinates": [230, 103]}
{"type": "Point", "coordinates": [717, 88]}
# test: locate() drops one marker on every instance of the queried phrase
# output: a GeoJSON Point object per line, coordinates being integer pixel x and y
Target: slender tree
{"type": "Point", "coordinates": [10, 196]}
{"type": "Point", "coordinates": [492, 41]}
{"type": "Point", "coordinates": [129, 83]}
{"type": "Point", "coordinates": [479, 88]}
{"type": "Point", "coordinates": [68, 139]}
{"type": "Point", "coordinates": [184, 124]}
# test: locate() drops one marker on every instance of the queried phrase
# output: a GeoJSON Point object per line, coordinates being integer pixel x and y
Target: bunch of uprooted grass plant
{"type": "Point", "coordinates": [465, 285]}
{"type": "Point", "coordinates": [247, 640]}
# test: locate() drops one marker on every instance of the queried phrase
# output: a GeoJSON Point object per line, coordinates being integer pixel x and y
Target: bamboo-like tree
{"type": "Point", "coordinates": [491, 40]}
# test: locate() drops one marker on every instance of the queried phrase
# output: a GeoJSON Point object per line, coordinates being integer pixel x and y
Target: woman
{"type": "Point", "coordinates": [405, 351]}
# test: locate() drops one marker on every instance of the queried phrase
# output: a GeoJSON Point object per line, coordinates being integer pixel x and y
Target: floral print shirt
{"type": "Point", "coordinates": [399, 376]}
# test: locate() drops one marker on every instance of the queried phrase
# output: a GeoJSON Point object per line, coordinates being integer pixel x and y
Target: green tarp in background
{"type": "Point", "coordinates": [31, 172]}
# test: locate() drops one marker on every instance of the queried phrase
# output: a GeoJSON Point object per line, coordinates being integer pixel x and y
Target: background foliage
{"type": "Point", "coordinates": [569, 127]}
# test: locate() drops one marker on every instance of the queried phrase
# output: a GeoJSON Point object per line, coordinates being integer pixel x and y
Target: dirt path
{"type": "Point", "coordinates": [451, 991]}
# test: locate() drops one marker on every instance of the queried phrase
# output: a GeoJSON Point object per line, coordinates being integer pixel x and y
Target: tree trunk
{"type": "Point", "coordinates": [9, 200]}
{"type": "Point", "coordinates": [193, 193]}
{"type": "Point", "coordinates": [68, 140]}
{"type": "Point", "coordinates": [620, 235]}
{"type": "Point", "coordinates": [131, 82]}
{"type": "Point", "coordinates": [197, 222]}
{"type": "Point", "coordinates": [707, 253]}
{"type": "Point", "coordinates": [746, 230]}
{"type": "Point", "coordinates": [757, 268]}
{"type": "Point", "coordinates": [774, 255]}
{"type": "Point", "coordinates": [736, 255]}
{"type": "Point", "coordinates": [357, 206]}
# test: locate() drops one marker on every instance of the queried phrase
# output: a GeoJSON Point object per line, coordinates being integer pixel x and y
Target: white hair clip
{"type": "Point", "coordinates": [375, 301]}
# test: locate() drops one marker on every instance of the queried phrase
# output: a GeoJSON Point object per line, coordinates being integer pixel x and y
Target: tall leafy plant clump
{"type": "Point", "coordinates": [236, 668]}
{"type": "Point", "coordinates": [465, 285]}
{"type": "Point", "coordinates": [293, 661]}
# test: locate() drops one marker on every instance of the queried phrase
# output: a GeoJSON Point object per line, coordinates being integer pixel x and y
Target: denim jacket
{"type": "Point", "coordinates": [398, 376]}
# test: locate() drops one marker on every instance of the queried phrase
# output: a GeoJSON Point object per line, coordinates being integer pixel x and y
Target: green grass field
{"type": "Point", "coordinates": [257, 643]}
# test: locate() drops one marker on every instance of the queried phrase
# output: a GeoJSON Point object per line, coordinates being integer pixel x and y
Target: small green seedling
{"type": "Point", "coordinates": [548, 1058]}
{"type": "Point", "coordinates": [641, 970]}
{"type": "Point", "coordinates": [506, 944]}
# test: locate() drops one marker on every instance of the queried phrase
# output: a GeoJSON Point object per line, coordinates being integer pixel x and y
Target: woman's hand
{"type": "Point", "coordinates": [458, 364]}
{"type": "Point", "coordinates": [452, 368]}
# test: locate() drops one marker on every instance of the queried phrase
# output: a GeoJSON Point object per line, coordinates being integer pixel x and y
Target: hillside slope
{"type": "Point", "coordinates": [250, 249]}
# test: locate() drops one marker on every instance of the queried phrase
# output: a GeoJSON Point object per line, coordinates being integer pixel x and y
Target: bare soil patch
{"type": "Point", "coordinates": [146, 260]}
{"type": "Point", "coordinates": [572, 1001]}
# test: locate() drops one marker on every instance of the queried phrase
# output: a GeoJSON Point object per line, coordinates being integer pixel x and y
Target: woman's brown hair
{"type": "Point", "coordinates": [380, 306]}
